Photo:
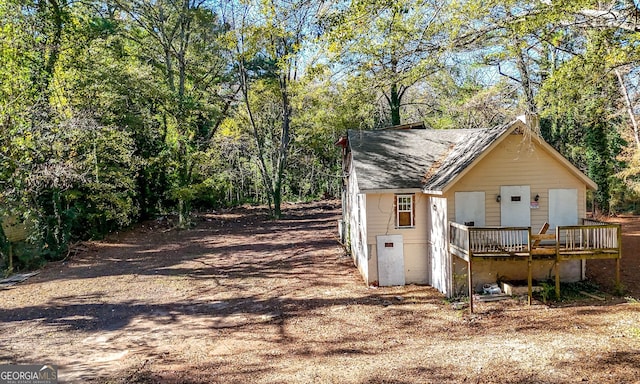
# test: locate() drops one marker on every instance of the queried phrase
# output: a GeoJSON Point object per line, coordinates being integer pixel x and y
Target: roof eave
{"type": "Point", "coordinates": [390, 190]}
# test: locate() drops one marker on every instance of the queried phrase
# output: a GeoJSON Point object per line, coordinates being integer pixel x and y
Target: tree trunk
{"type": "Point", "coordinates": [54, 48]}
{"type": "Point", "coordinates": [283, 152]}
{"type": "Point", "coordinates": [394, 104]}
{"type": "Point", "coordinates": [264, 171]}
{"type": "Point", "coordinates": [277, 200]}
{"type": "Point", "coordinates": [629, 107]}
{"type": "Point", "coordinates": [525, 81]}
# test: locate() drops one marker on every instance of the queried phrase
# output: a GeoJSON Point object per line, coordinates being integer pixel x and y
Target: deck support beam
{"type": "Point", "coordinates": [618, 287]}
{"type": "Point", "coordinates": [557, 268]}
{"type": "Point", "coordinates": [529, 280]}
{"type": "Point", "coordinates": [470, 282]}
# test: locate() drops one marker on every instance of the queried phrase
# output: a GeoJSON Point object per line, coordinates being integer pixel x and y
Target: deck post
{"type": "Point", "coordinates": [557, 263]}
{"type": "Point", "coordinates": [529, 271]}
{"type": "Point", "coordinates": [470, 282]}
{"type": "Point", "coordinates": [619, 244]}
{"type": "Point", "coordinates": [618, 274]}
{"type": "Point", "coordinates": [529, 281]}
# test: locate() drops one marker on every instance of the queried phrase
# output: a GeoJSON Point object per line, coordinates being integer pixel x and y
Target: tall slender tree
{"type": "Point", "coordinates": [268, 41]}
{"type": "Point", "coordinates": [389, 46]}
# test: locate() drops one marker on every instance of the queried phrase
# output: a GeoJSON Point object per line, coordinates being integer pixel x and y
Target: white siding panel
{"type": "Point", "coordinates": [515, 213]}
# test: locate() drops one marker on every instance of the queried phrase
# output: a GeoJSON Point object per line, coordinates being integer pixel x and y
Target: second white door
{"type": "Point", "coordinates": [515, 209]}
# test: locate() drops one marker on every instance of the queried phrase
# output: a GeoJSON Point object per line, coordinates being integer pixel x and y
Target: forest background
{"type": "Point", "coordinates": [117, 111]}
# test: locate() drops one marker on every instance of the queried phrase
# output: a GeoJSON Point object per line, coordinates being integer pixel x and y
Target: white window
{"type": "Point", "coordinates": [404, 211]}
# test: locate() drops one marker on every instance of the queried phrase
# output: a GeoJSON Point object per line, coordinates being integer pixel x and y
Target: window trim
{"type": "Point", "coordinates": [411, 211]}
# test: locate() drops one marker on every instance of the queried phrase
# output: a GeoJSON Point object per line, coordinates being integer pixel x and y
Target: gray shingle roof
{"type": "Point", "coordinates": [464, 153]}
{"type": "Point", "coordinates": [416, 158]}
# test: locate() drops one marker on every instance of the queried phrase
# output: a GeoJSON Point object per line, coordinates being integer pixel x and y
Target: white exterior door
{"type": "Point", "coordinates": [515, 208]}
{"type": "Point", "coordinates": [439, 244]}
{"type": "Point", "coordinates": [563, 207]}
{"type": "Point", "coordinates": [390, 260]}
{"type": "Point", "coordinates": [470, 208]}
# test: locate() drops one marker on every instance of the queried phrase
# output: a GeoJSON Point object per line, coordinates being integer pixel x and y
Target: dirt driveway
{"type": "Point", "coordinates": [241, 299]}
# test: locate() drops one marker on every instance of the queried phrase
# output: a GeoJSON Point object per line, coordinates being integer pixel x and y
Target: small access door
{"type": "Point", "coordinates": [390, 260]}
{"type": "Point", "coordinates": [515, 208]}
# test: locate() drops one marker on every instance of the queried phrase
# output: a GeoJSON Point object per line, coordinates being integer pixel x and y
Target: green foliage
{"type": "Point", "coordinates": [548, 291]}
{"type": "Point", "coordinates": [107, 198]}
{"type": "Point", "coordinates": [568, 291]}
{"type": "Point", "coordinates": [579, 101]}
{"type": "Point", "coordinates": [619, 289]}
{"type": "Point", "coordinates": [324, 114]}
{"type": "Point", "coordinates": [469, 104]}
{"type": "Point", "coordinates": [74, 180]}
{"type": "Point", "coordinates": [115, 111]}
{"type": "Point", "coordinates": [389, 47]}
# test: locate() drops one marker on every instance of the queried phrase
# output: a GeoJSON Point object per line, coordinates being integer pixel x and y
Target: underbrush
{"type": "Point", "coordinates": [568, 291]}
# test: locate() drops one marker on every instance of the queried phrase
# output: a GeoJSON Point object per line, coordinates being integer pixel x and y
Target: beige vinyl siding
{"type": "Point", "coordinates": [381, 220]}
{"type": "Point", "coordinates": [518, 160]}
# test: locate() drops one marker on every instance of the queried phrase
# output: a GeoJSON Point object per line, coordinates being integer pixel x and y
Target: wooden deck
{"type": "Point", "coordinates": [592, 240]}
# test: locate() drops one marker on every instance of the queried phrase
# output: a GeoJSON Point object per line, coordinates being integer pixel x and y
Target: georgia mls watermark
{"type": "Point", "coordinates": [28, 374]}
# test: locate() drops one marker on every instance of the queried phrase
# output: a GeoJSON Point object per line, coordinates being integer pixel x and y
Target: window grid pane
{"type": "Point", "coordinates": [404, 211]}
{"type": "Point", "coordinates": [404, 203]}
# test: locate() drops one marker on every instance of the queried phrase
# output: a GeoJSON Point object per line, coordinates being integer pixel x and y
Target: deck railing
{"type": "Point", "coordinates": [598, 237]}
{"type": "Point", "coordinates": [590, 221]}
{"type": "Point", "coordinates": [459, 237]}
{"type": "Point", "coordinates": [485, 241]}
{"type": "Point", "coordinates": [480, 241]}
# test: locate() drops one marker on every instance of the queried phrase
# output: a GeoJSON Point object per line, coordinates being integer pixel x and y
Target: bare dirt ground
{"type": "Point", "coordinates": [242, 299]}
